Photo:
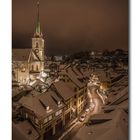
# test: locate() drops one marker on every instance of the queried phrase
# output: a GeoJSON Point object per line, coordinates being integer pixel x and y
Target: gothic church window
{"type": "Point", "coordinates": [36, 44]}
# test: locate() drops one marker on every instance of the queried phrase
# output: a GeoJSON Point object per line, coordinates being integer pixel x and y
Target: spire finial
{"type": "Point", "coordinates": [38, 11]}
{"type": "Point", "coordinates": [38, 29]}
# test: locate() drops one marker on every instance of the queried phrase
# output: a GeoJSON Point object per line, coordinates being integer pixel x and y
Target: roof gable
{"type": "Point", "coordinates": [64, 90]}
{"type": "Point", "coordinates": [20, 54]}
{"type": "Point", "coordinates": [39, 103]}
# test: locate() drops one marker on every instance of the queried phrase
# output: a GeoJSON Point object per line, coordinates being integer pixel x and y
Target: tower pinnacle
{"type": "Point", "coordinates": [38, 29]}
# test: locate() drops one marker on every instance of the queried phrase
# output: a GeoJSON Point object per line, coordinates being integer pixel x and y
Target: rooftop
{"type": "Point", "coordinates": [64, 90]}
{"type": "Point", "coordinates": [24, 131]}
{"type": "Point", "coordinates": [114, 129]}
{"type": "Point", "coordinates": [20, 54]}
{"type": "Point", "coordinates": [38, 103]}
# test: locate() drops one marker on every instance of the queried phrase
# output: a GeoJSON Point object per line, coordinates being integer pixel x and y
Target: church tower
{"type": "Point", "coordinates": [38, 47]}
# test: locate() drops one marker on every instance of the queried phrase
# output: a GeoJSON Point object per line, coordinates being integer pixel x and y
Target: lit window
{"type": "Point", "coordinates": [36, 121]}
{"type": "Point", "coordinates": [26, 115]}
{"type": "Point", "coordinates": [23, 69]}
{"type": "Point", "coordinates": [46, 120]}
{"type": "Point", "coordinates": [59, 102]}
{"type": "Point", "coordinates": [50, 117]}
{"type": "Point", "coordinates": [58, 112]}
{"type": "Point", "coordinates": [47, 108]}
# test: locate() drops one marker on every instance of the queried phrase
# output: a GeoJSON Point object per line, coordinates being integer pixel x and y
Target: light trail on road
{"type": "Point", "coordinates": [94, 97]}
{"type": "Point", "coordinates": [95, 102]}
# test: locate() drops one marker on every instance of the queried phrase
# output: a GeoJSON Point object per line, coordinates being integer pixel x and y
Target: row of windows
{"type": "Point", "coordinates": [45, 120]}
{"type": "Point", "coordinates": [48, 119]}
{"type": "Point", "coordinates": [35, 68]}
{"type": "Point", "coordinates": [58, 112]}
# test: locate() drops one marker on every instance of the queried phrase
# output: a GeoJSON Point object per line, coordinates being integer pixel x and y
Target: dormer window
{"type": "Point", "coordinates": [45, 105]}
{"type": "Point", "coordinates": [47, 108]}
{"type": "Point", "coordinates": [59, 102]}
{"type": "Point", "coordinates": [36, 121]}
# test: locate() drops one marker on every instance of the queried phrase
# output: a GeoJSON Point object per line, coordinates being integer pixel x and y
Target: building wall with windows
{"type": "Point", "coordinates": [20, 72]}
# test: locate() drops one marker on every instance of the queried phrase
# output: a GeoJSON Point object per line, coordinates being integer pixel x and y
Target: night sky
{"type": "Point", "coordinates": [72, 25]}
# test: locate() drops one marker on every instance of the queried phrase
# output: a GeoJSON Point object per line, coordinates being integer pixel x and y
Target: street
{"type": "Point", "coordinates": [94, 100]}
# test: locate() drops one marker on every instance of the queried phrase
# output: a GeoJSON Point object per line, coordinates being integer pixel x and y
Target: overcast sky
{"type": "Point", "coordinates": [72, 25]}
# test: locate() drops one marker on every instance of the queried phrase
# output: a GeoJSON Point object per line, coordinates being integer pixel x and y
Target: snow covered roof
{"type": "Point", "coordinates": [24, 131]}
{"type": "Point", "coordinates": [64, 90]}
{"type": "Point", "coordinates": [38, 103]}
{"type": "Point", "coordinates": [115, 129]}
{"type": "Point", "coordinates": [20, 54]}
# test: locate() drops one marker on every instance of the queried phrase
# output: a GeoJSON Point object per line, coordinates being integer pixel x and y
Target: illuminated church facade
{"type": "Point", "coordinates": [28, 63]}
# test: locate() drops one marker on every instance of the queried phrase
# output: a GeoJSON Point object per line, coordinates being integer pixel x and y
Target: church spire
{"type": "Point", "coordinates": [38, 29]}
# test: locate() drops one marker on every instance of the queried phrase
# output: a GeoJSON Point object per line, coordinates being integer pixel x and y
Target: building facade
{"type": "Point", "coordinates": [27, 63]}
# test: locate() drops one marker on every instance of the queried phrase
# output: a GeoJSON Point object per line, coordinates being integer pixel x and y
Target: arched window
{"type": "Point", "coordinates": [36, 44]}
